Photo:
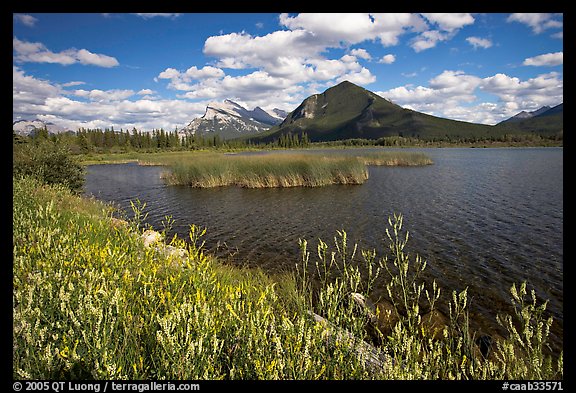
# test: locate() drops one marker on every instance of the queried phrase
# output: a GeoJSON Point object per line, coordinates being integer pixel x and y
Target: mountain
{"type": "Point", "coordinates": [348, 111]}
{"type": "Point", "coordinates": [28, 127]}
{"type": "Point", "coordinates": [231, 120]}
{"type": "Point", "coordinates": [526, 115]}
{"type": "Point", "coordinates": [544, 121]}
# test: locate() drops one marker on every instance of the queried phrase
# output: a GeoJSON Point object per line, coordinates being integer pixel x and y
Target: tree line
{"type": "Point", "coordinates": [87, 140]}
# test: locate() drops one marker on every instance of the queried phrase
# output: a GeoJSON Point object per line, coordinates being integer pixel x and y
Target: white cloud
{"type": "Point", "coordinates": [37, 98]}
{"type": "Point", "coordinates": [27, 90]}
{"type": "Point", "coordinates": [542, 90]}
{"type": "Point", "coordinates": [25, 19]}
{"type": "Point", "coordinates": [429, 39]}
{"type": "Point", "coordinates": [73, 83]}
{"type": "Point", "coordinates": [181, 80]}
{"type": "Point", "coordinates": [162, 15]}
{"type": "Point", "coordinates": [361, 53]}
{"type": "Point", "coordinates": [351, 28]}
{"type": "Point", "coordinates": [36, 52]}
{"type": "Point", "coordinates": [478, 42]}
{"type": "Point", "coordinates": [448, 26]}
{"type": "Point", "coordinates": [387, 59]}
{"type": "Point", "coordinates": [144, 92]}
{"type": "Point", "coordinates": [453, 94]}
{"type": "Point", "coordinates": [559, 35]}
{"type": "Point", "coordinates": [548, 59]}
{"type": "Point", "coordinates": [104, 96]}
{"type": "Point", "coordinates": [88, 58]}
{"type": "Point", "coordinates": [450, 21]}
{"type": "Point", "coordinates": [538, 22]}
{"type": "Point", "coordinates": [204, 73]}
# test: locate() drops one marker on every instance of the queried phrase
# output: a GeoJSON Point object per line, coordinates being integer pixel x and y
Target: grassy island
{"type": "Point", "coordinates": [282, 170]}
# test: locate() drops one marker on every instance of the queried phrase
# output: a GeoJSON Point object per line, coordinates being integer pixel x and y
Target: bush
{"type": "Point", "coordinates": [48, 162]}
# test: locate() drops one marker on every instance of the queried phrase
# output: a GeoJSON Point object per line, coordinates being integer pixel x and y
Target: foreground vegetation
{"type": "Point", "coordinates": [91, 301]}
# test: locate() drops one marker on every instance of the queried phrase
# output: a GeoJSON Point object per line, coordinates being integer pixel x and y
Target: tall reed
{"type": "Point", "coordinates": [258, 171]}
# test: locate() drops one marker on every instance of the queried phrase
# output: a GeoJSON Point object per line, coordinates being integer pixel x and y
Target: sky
{"type": "Point", "coordinates": [152, 71]}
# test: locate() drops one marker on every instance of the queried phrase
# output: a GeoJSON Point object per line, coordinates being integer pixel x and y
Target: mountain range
{"type": "Point", "coordinates": [348, 111]}
{"type": "Point", "coordinates": [231, 120]}
{"type": "Point", "coordinates": [344, 111]}
{"type": "Point", "coordinates": [544, 121]}
{"type": "Point", "coordinates": [29, 127]}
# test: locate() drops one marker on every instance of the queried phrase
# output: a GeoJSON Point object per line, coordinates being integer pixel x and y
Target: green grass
{"type": "Point", "coordinates": [280, 170]}
{"type": "Point", "coordinates": [259, 171]}
{"type": "Point", "coordinates": [403, 158]}
{"type": "Point", "coordinates": [90, 301]}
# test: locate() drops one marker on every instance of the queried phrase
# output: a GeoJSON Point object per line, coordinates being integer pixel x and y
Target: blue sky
{"type": "Point", "coordinates": [161, 70]}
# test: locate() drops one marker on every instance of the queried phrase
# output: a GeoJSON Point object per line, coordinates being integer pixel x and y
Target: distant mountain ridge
{"type": "Point", "coordinates": [231, 120]}
{"type": "Point", "coordinates": [527, 115]}
{"type": "Point", "coordinates": [29, 127]}
{"type": "Point", "coordinates": [543, 121]}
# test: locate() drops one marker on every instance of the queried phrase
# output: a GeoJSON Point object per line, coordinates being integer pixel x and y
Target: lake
{"type": "Point", "coordinates": [482, 218]}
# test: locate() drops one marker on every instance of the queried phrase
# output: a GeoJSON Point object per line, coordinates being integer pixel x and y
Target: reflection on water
{"type": "Point", "coordinates": [482, 218]}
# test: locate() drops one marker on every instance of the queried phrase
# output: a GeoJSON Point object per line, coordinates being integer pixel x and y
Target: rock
{"type": "Point", "coordinates": [178, 255]}
{"type": "Point", "coordinates": [372, 357]}
{"type": "Point", "coordinates": [118, 223]}
{"type": "Point", "coordinates": [484, 344]}
{"type": "Point", "coordinates": [382, 316]}
{"type": "Point", "coordinates": [150, 237]}
{"type": "Point", "coordinates": [433, 323]}
{"type": "Point", "coordinates": [387, 317]}
{"type": "Point", "coordinates": [487, 345]}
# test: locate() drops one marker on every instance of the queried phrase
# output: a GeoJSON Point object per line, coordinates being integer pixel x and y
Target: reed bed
{"type": "Point", "coordinates": [262, 171]}
{"type": "Point", "coordinates": [403, 158]}
{"type": "Point", "coordinates": [282, 170]}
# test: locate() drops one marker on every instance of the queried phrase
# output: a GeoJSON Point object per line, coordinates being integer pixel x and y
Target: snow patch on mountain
{"type": "Point", "coordinates": [229, 119]}
{"type": "Point", "coordinates": [28, 127]}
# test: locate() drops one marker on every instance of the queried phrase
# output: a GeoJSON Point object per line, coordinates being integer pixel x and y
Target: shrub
{"type": "Point", "coordinates": [48, 162]}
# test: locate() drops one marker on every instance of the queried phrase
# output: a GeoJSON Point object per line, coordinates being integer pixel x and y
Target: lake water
{"type": "Point", "coordinates": [482, 218]}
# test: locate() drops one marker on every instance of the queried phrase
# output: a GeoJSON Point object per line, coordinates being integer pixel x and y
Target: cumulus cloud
{"type": "Point", "coordinates": [538, 22]}
{"type": "Point", "coordinates": [478, 42]}
{"type": "Point", "coordinates": [429, 39]}
{"type": "Point", "coordinates": [144, 92]}
{"type": "Point", "coordinates": [548, 59]}
{"type": "Point", "coordinates": [450, 21]}
{"type": "Point", "coordinates": [39, 98]}
{"type": "Point", "coordinates": [27, 20]}
{"type": "Point", "coordinates": [387, 59]}
{"type": "Point", "coordinates": [181, 80]}
{"type": "Point", "coordinates": [27, 90]}
{"type": "Point", "coordinates": [446, 26]}
{"type": "Point", "coordinates": [333, 28]}
{"type": "Point", "coordinates": [361, 53]}
{"type": "Point", "coordinates": [453, 94]}
{"type": "Point", "coordinates": [36, 52]}
{"type": "Point", "coordinates": [542, 90]}
{"type": "Point", "coordinates": [161, 15]}
{"type": "Point", "coordinates": [104, 95]}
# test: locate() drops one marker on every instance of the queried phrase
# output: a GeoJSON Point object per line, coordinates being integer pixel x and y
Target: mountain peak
{"type": "Point", "coordinates": [528, 115]}
{"type": "Point", "coordinates": [29, 127]}
{"type": "Point", "coordinates": [229, 119]}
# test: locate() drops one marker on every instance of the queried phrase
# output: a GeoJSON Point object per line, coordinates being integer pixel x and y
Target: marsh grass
{"type": "Point", "coordinates": [395, 158]}
{"type": "Point", "coordinates": [260, 171]}
{"type": "Point", "coordinates": [282, 170]}
{"type": "Point", "coordinates": [90, 301]}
